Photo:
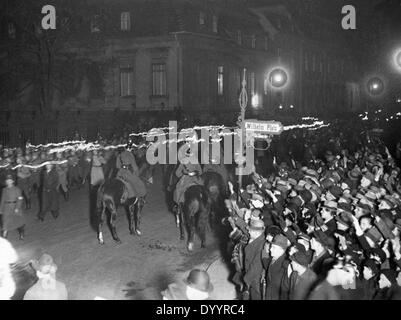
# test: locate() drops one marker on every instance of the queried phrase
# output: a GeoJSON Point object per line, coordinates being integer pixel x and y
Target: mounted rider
{"type": "Point", "coordinates": [128, 172]}
{"type": "Point", "coordinates": [188, 175]}
{"type": "Point", "coordinates": [216, 165]}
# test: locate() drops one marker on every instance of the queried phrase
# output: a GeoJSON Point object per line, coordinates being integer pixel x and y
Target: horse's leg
{"type": "Point", "coordinates": [101, 215]}
{"type": "Point", "coordinates": [180, 221]}
{"type": "Point", "coordinates": [191, 232]}
{"type": "Point", "coordinates": [113, 219]}
{"type": "Point", "coordinates": [138, 211]}
{"type": "Point", "coordinates": [202, 225]}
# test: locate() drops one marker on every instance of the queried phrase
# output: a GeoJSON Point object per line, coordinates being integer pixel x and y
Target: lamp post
{"type": "Point", "coordinates": [243, 102]}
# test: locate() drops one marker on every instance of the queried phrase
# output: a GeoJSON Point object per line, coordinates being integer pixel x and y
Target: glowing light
{"type": "Point", "coordinates": [375, 86]}
{"type": "Point", "coordinates": [280, 106]}
{"type": "Point", "coordinates": [278, 78]}
{"type": "Point", "coordinates": [291, 106]}
{"type": "Point", "coordinates": [255, 101]}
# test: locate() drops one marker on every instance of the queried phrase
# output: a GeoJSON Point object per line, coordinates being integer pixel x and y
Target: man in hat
{"type": "Point", "coordinates": [388, 288]}
{"type": "Point", "coordinates": [302, 278]}
{"type": "Point", "coordinates": [320, 244]}
{"type": "Point", "coordinates": [188, 175]}
{"type": "Point", "coordinates": [277, 273]}
{"type": "Point", "coordinates": [73, 170]}
{"type": "Point", "coordinates": [128, 171]}
{"type": "Point", "coordinates": [196, 286]}
{"type": "Point", "coordinates": [24, 181]}
{"type": "Point", "coordinates": [50, 200]}
{"type": "Point", "coordinates": [48, 287]}
{"type": "Point", "coordinates": [253, 260]}
{"type": "Point", "coordinates": [328, 212]}
{"type": "Point", "coordinates": [368, 284]}
{"type": "Point", "coordinates": [216, 165]}
{"type": "Point", "coordinates": [11, 208]}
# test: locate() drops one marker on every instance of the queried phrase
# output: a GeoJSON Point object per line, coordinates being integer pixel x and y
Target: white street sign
{"type": "Point", "coordinates": [269, 127]}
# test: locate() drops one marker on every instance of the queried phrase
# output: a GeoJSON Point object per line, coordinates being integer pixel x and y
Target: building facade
{"type": "Point", "coordinates": [168, 54]}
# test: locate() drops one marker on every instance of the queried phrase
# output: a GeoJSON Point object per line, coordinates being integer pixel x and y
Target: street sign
{"type": "Point", "coordinates": [268, 127]}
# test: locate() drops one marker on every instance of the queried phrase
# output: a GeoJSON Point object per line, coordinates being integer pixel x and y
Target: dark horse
{"type": "Point", "coordinates": [215, 188]}
{"type": "Point", "coordinates": [109, 198]}
{"type": "Point", "coordinates": [194, 214]}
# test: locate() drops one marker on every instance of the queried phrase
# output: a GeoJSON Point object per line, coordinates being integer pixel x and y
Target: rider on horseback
{"type": "Point", "coordinates": [217, 166]}
{"type": "Point", "coordinates": [189, 175]}
{"type": "Point", "coordinates": [129, 172]}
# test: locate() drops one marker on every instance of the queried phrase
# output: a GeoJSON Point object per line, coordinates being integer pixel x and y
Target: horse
{"type": "Point", "coordinates": [194, 215]}
{"type": "Point", "coordinates": [214, 185]}
{"type": "Point", "coordinates": [109, 198]}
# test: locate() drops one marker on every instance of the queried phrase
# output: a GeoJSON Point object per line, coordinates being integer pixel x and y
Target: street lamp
{"type": "Point", "coordinates": [278, 78]}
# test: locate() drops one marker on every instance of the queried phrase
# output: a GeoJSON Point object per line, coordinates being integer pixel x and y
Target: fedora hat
{"type": "Point", "coordinates": [257, 225]}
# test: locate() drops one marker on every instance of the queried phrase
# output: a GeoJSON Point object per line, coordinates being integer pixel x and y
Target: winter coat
{"type": "Point", "coordinates": [302, 285]}
{"type": "Point", "coordinates": [277, 279]}
{"type": "Point", "coordinates": [253, 265]}
{"type": "Point", "coordinates": [11, 208]}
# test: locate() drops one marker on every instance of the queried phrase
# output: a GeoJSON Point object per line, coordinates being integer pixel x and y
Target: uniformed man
{"type": "Point", "coordinates": [50, 201]}
{"type": "Point", "coordinates": [73, 170]}
{"type": "Point", "coordinates": [24, 181]}
{"type": "Point", "coordinates": [11, 208]}
{"type": "Point", "coordinates": [188, 175]}
{"type": "Point", "coordinates": [35, 172]}
{"type": "Point", "coordinates": [217, 166]}
{"type": "Point", "coordinates": [62, 171]}
{"type": "Point", "coordinates": [129, 172]}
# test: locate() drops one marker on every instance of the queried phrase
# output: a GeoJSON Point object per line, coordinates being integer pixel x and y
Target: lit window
{"type": "Point", "coordinates": [159, 79]}
{"type": "Point", "coordinates": [201, 18]}
{"type": "Point", "coordinates": [266, 85]}
{"type": "Point", "coordinates": [220, 80]}
{"type": "Point", "coordinates": [95, 24]}
{"type": "Point", "coordinates": [126, 82]}
{"type": "Point", "coordinates": [239, 37]}
{"type": "Point", "coordinates": [12, 32]}
{"type": "Point", "coordinates": [125, 21]}
{"type": "Point", "coordinates": [215, 20]}
{"type": "Point", "coordinates": [252, 83]}
{"type": "Point", "coordinates": [253, 41]}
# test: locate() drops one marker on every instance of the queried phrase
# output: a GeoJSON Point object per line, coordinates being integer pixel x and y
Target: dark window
{"type": "Point", "coordinates": [239, 37]}
{"type": "Point", "coordinates": [215, 24]}
{"type": "Point", "coordinates": [159, 87]}
{"type": "Point", "coordinates": [126, 82]}
{"type": "Point", "coordinates": [202, 18]}
{"type": "Point", "coordinates": [12, 31]}
{"type": "Point", "coordinates": [95, 23]}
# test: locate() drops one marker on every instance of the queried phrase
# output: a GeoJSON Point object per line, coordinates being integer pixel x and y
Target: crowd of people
{"type": "Point", "coordinates": [319, 219]}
